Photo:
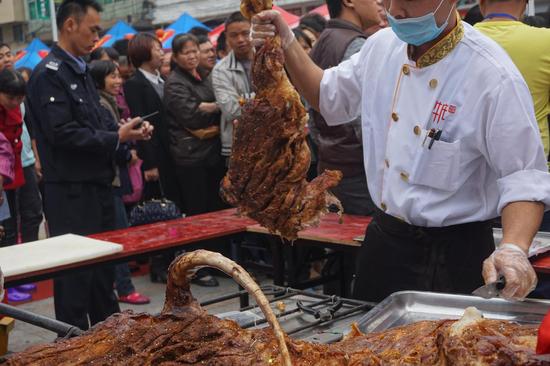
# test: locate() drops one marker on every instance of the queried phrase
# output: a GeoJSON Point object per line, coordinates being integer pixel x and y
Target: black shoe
{"type": "Point", "coordinates": [206, 281]}
{"type": "Point", "coordinates": [159, 277]}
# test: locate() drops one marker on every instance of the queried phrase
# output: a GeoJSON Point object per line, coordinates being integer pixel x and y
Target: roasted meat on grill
{"type": "Point", "coordinates": [270, 156]}
{"type": "Point", "coordinates": [184, 334]}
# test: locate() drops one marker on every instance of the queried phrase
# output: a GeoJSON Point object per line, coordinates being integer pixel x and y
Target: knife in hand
{"type": "Point", "coordinates": [492, 289]}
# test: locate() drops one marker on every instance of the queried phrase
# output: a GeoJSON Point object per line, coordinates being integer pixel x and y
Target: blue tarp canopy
{"type": "Point", "coordinates": [120, 30]}
{"type": "Point", "coordinates": [32, 55]}
{"type": "Point", "coordinates": [183, 25]}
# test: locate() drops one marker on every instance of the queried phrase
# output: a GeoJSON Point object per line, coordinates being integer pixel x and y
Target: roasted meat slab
{"type": "Point", "coordinates": [184, 334]}
{"type": "Point", "coordinates": [270, 156]}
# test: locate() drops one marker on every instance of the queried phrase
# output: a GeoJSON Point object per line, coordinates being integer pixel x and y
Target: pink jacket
{"type": "Point", "coordinates": [7, 163]}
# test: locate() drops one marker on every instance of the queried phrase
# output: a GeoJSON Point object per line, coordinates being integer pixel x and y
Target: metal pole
{"type": "Point", "coordinates": [54, 21]}
{"type": "Point", "coordinates": [531, 7]}
{"type": "Point", "coordinates": [53, 325]}
{"type": "Point", "coordinates": [27, 19]}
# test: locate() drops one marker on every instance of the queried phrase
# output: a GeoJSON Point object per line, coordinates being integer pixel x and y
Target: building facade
{"type": "Point", "coordinates": [38, 23]}
{"type": "Point", "coordinates": [13, 22]}
{"type": "Point", "coordinates": [167, 11]}
{"type": "Point", "coordinates": [23, 20]}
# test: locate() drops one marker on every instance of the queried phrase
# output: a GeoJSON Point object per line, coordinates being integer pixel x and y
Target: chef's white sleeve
{"type": "Point", "coordinates": [340, 92]}
{"type": "Point", "coordinates": [514, 145]}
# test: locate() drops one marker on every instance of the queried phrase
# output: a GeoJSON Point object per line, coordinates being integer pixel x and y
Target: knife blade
{"type": "Point", "coordinates": [492, 289]}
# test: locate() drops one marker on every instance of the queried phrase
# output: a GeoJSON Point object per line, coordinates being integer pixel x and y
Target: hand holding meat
{"type": "Point", "coordinates": [270, 157]}
{"type": "Point", "coordinates": [267, 24]}
{"type": "Point", "coordinates": [512, 262]}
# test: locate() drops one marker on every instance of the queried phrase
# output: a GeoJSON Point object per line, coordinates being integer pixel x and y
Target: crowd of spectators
{"type": "Point", "coordinates": [62, 141]}
{"type": "Point", "coordinates": [194, 89]}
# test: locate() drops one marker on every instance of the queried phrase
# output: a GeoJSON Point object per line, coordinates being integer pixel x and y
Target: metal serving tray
{"type": "Point", "coordinates": [407, 307]}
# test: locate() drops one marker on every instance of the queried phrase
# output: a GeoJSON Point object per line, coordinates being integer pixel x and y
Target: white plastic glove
{"type": "Point", "coordinates": [268, 23]}
{"type": "Point", "coordinates": [511, 261]}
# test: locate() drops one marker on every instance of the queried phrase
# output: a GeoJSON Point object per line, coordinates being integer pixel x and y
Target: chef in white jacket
{"type": "Point", "coordinates": [450, 142]}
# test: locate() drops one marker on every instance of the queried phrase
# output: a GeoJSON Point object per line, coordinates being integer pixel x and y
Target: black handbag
{"type": "Point", "coordinates": [154, 210]}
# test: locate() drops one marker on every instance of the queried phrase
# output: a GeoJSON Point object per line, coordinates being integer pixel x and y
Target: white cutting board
{"type": "Point", "coordinates": [53, 252]}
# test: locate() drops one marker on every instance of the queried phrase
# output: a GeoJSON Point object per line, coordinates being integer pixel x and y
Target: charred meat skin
{"type": "Point", "coordinates": [184, 334]}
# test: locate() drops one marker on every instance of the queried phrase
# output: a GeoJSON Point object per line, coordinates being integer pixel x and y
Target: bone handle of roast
{"type": "Point", "coordinates": [178, 296]}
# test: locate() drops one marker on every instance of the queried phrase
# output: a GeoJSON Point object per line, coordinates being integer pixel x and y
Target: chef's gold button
{"type": "Point", "coordinates": [395, 117]}
{"type": "Point", "coordinates": [417, 130]}
{"type": "Point", "coordinates": [387, 163]}
{"type": "Point", "coordinates": [406, 70]}
{"type": "Point", "coordinates": [383, 206]}
{"type": "Point", "coordinates": [433, 83]}
{"type": "Point", "coordinates": [404, 176]}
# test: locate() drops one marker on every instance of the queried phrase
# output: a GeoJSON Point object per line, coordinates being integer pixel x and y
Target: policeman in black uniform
{"type": "Point", "coordinates": [78, 140]}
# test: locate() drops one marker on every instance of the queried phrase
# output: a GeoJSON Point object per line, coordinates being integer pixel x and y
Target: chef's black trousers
{"type": "Point", "coordinates": [396, 256]}
{"type": "Point", "coordinates": [86, 297]}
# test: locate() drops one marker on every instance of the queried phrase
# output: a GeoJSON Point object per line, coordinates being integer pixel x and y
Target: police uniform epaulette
{"type": "Point", "coordinates": [53, 64]}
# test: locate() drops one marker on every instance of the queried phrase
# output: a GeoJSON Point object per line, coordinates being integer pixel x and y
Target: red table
{"type": "Point", "coordinates": [152, 238]}
{"type": "Point", "coordinates": [343, 235]}
{"type": "Point", "coordinates": [160, 236]}
{"type": "Point", "coordinates": [163, 235]}
{"type": "Point", "coordinates": [349, 231]}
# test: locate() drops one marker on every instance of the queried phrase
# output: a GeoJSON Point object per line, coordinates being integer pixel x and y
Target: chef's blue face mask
{"type": "Point", "coordinates": [420, 30]}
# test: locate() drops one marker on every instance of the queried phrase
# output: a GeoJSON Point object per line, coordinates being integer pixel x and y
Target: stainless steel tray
{"type": "Point", "coordinates": [407, 307]}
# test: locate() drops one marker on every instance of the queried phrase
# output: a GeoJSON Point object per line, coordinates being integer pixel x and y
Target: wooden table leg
{"type": "Point", "coordinates": [6, 325]}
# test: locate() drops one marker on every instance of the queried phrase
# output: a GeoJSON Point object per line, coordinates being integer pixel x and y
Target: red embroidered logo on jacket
{"type": "Point", "coordinates": [440, 109]}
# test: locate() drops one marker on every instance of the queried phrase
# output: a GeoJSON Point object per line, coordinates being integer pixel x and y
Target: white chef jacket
{"type": "Point", "coordinates": [490, 152]}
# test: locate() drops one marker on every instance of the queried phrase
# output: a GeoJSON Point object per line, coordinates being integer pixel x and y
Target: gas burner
{"type": "Point", "coordinates": [305, 315]}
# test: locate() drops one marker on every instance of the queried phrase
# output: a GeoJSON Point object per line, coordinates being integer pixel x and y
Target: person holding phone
{"type": "Point", "coordinates": [109, 83]}
{"type": "Point", "coordinates": [77, 141]}
{"type": "Point", "coordinates": [144, 92]}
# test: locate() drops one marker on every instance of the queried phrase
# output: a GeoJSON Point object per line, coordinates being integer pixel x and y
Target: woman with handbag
{"type": "Point", "coordinates": [193, 127]}
{"type": "Point", "coordinates": [109, 84]}
{"type": "Point", "coordinates": [144, 92]}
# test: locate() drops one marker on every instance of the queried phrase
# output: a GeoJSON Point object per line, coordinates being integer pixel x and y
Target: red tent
{"type": "Point", "coordinates": [323, 10]}
{"type": "Point", "coordinates": [290, 18]}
